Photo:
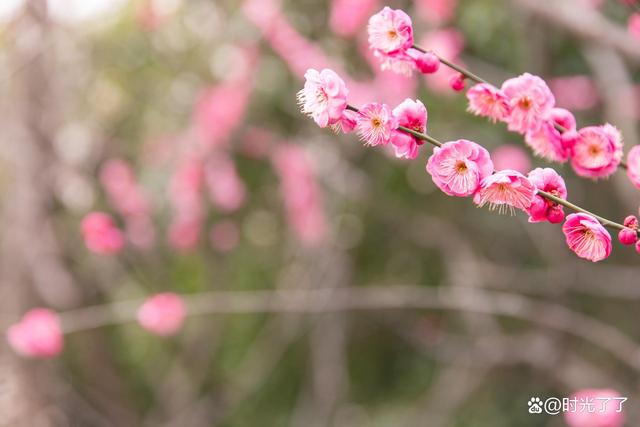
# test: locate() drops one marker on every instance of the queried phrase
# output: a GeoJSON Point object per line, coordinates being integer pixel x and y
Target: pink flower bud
{"type": "Point", "coordinates": [101, 234]}
{"type": "Point", "coordinates": [427, 63]}
{"type": "Point", "coordinates": [631, 221]}
{"type": "Point", "coordinates": [162, 314]}
{"type": "Point", "coordinates": [638, 246]}
{"type": "Point", "coordinates": [457, 82]}
{"type": "Point", "coordinates": [38, 334]}
{"type": "Point", "coordinates": [627, 236]}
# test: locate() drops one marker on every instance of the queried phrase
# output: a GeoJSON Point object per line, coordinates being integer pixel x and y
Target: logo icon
{"type": "Point", "coordinates": [535, 405]}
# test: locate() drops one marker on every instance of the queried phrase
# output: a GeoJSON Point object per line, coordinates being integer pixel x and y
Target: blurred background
{"type": "Point", "coordinates": [179, 118]}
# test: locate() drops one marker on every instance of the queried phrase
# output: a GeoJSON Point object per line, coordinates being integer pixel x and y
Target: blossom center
{"type": "Point", "coordinates": [461, 167]}
{"type": "Point", "coordinates": [392, 34]}
{"type": "Point", "coordinates": [525, 103]}
{"type": "Point", "coordinates": [376, 122]}
{"type": "Point", "coordinates": [594, 150]}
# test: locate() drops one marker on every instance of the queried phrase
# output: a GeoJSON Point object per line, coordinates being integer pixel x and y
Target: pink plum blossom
{"type": "Point", "coordinates": [38, 334]}
{"type": "Point", "coordinates": [505, 190]}
{"type": "Point", "coordinates": [488, 101]}
{"type": "Point", "coordinates": [597, 151]}
{"type": "Point", "coordinates": [101, 234]}
{"type": "Point", "coordinates": [163, 314]}
{"type": "Point", "coordinates": [530, 100]}
{"type": "Point", "coordinates": [324, 96]}
{"type": "Point", "coordinates": [548, 142]}
{"type": "Point", "coordinates": [347, 122]}
{"type": "Point", "coordinates": [390, 31]}
{"type": "Point", "coordinates": [413, 115]}
{"type": "Point", "coordinates": [587, 237]}
{"type": "Point", "coordinates": [458, 167]}
{"type": "Point", "coordinates": [510, 156]}
{"type": "Point", "coordinates": [375, 124]}
{"type": "Point", "coordinates": [301, 195]}
{"type": "Point", "coordinates": [541, 209]}
{"type": "Point", "coordinates": [607, 409]}
{"type": "Point", "coordinates": [633, 165]}
{"type": "Point", "coordinates": [348, 16]}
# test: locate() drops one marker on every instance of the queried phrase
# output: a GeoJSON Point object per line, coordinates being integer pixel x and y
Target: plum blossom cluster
{"type": "Point", "coordinates": [525, 103]}
{"type": "Point", "coordinates": [40, 333]}
{"type": "Point", "coordinates": [464, 168]}
{"type": "Point", "coordinates": [391, 40]}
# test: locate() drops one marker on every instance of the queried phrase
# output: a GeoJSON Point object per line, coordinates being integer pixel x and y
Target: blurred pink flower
{"type": "Point", "coordinates": [224, 235]}
{"type": "Point", "coordinates": [162, 314]}
{"type": "Point", "coordinates": [413, 115]}
{"type": "Point", "coordinates": [633, 165]}
{"type": "Point", "coordinates": [375, 124]}
{"type": "Point", "coordinates": [447, 43]}
{"type": "Point", "coordinates": [301, 195]}
{"type": "Point", "coordinates": [38, 334]}
{"type": "Point", "coordinates": [509, 156]}
{"type": "Point", "coordinates": [601, 416]}
{"type": "Point", "coordinates": [126, 195]}
{"type": "Point", "coordinates": [531, 102]}
{"type": "Point", "coordinates": [541, 209]}
{"type": "Point", "coordinates": [436, 12]}
{"type": "Point", "coordinates": [633, 25]}
{"type": "Point", "coordinates": [185, 187]}
{"type": "Point", "coordinates": [488, 101]}
{"type": "Point", "coordinates": [390, 31]}
{"type": "Point", "coordinates": [458, 167]}
{"type": "Point", "coordinates": [575, 92]}
{"type": "Point", "coordinates": [505, 190]}
{"type": "Point", "coordinates": [324, 96]}
{"type": "Point", "coordinates": [587, 237]}
{"type": "Point", "coordinates": [184, 232]}
{"type": "Point", "coordinates": [226, 189]}
{"type": "Point", "coordinates": [220, 109]}
{"type": "Point", "coordinates": [548, 143]}
{"type": "Point", "coordinates": [298, 53]}
{"type": "Point", "coordinates": [130, 200]}
{"type": "Point", "coordinates": [349, 16]}
{"type": "Point", "coordinates": [597, 151]}
{"type": "Point", "coordinates": [101, 235]}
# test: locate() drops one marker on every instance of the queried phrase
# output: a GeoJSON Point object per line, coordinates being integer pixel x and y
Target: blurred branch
{"type": "Point", "coordinates": [314, 301]}
{"type": "Point", "coordinates": [584, 22]}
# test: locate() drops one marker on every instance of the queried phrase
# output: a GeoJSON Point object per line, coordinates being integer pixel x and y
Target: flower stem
{"type": "Point", "coordinates": [431, 140]}
{"type": "Point", "coordinates": [468, 74]}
